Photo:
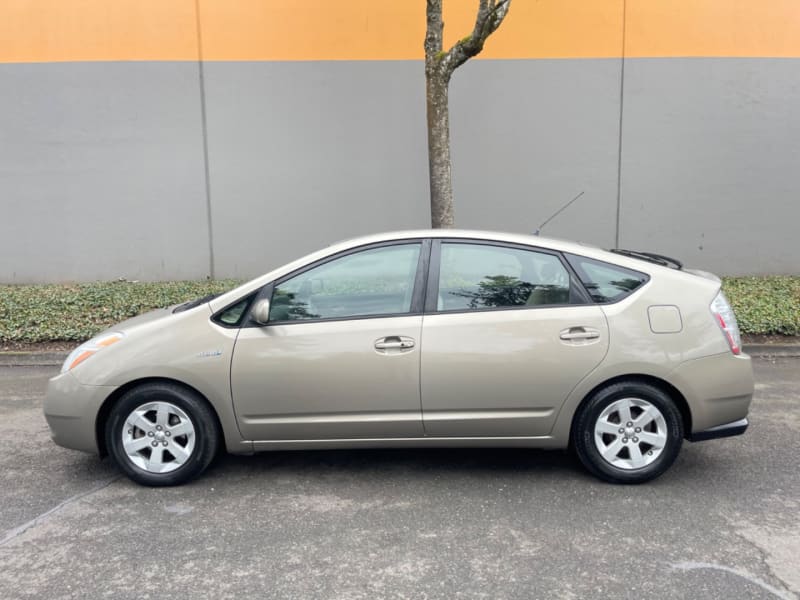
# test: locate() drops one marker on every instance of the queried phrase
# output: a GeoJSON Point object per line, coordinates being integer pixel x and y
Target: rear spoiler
{"type": "Point", "coordinates": [659, 259]}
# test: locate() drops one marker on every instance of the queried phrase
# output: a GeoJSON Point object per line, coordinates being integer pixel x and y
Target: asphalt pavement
{"type": "Point", "coordinates": [724, 522]}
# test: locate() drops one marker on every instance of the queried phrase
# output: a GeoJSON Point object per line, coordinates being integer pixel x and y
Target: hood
{"type": "Point", "coordinates": [153, 315]}
{"type": "Point", "coordinates": [159, 313]}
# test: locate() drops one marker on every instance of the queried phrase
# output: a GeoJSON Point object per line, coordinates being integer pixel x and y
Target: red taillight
{"type": "Point", "coordinates": [726, 319]}
{"type": "Point", "coordinates": [734, 346]}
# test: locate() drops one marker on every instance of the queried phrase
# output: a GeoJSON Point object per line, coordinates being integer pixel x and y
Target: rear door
{"type": "Point", "coordinates": [507, 334]}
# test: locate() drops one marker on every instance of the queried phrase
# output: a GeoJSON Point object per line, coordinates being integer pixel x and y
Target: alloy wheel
{"type": "Point", "coordinates": [158, 437]}
{"type": "Point", "coordinates": [630, 433]}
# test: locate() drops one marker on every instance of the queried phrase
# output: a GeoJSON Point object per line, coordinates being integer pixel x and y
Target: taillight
{"type": "Point", "coordinates": [723, 315]}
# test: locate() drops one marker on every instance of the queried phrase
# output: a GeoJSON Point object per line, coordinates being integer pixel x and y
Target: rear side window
{"type": "Point", "coordinates": [480, 276]}
{"type": "Point", "coordinates": [606, 282]}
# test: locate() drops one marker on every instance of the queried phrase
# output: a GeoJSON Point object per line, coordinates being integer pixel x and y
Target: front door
{"type": "Point", "coordinates": [340, 357]}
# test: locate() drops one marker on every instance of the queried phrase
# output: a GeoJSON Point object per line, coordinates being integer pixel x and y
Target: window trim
{"type": "Point", "coordinates": [578, 294]}
{"type": "Point", "coordinates": [417, 295]}
{"type": "Point", "coordinates": [571, 255]}
{"type": "Point", "coordinates": [250, 298]}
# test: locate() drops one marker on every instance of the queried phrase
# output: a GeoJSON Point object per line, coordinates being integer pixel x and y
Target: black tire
{"type": "Point", "coordinates": [206, 432]}
{"type": "Point", "coordinates": [583, 432]}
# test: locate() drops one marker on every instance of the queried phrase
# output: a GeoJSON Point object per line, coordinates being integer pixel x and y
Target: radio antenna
{"type": "Point", "coordinates": [558, 212]}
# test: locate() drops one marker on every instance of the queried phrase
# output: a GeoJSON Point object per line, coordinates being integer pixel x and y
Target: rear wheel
{"type": "Point", "coordinates": [628, 432]}
{"type": "Point", "coordinates": [161, 434]}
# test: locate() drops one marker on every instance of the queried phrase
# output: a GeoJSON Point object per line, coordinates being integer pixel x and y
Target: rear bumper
{"type": "Point", "coordinates": [720, 431]}
{"type": "Point", "coordinates": [718, 390]}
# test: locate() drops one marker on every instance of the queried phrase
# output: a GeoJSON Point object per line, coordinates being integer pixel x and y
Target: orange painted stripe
{"type": "Point", "coordinates": [285, 30]}
{"type": "Point", "coordinates": [394, 30]}
{"type": "Point", "coordinates": [88, 30]}
{"type": "Point", "coordinates": [712, 28]}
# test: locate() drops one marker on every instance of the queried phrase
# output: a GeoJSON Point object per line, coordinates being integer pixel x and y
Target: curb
{"type": "Point", "coordinates": [32, 359]}
{"type": "Point", "coordinates": [56, 359]}
{"type": "Point", "coordinates": [772, 350]}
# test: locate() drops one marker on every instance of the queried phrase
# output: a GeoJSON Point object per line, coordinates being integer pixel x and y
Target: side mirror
{"type": "Point", "coordinates": [261, 311]}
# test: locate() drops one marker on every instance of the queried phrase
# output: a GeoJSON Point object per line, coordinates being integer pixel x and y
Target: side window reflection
{"type": "Point", "coordinates": [606, 282]}
{"type": "Point", "coordinates": [378, 281]}
{"type": "Point", "coordinates": [477, 276]}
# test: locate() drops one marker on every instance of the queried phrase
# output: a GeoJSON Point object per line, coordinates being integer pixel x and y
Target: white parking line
{"type": "Point", "coordinates": [694, 566]}
{"type": "Point", "coordinates": [17, 531]}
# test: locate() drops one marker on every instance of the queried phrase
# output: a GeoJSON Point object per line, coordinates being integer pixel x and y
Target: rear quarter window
{"type": "Point", "coordinates": [604, 281]}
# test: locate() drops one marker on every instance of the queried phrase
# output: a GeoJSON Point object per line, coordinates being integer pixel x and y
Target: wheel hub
{"type": "Point", "coordinates": [630, 433]}
{"type": "Point", "coordinates": [158, 437]}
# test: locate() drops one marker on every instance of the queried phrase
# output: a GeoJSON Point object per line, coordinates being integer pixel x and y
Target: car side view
{"type": "Point", "coordinates": [439, 338]}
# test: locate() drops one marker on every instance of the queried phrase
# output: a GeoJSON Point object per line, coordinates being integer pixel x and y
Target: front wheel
{"type": "Point", "coordinates": [161, 434]}
{"type": "Point", "coordinates": [628, 432]}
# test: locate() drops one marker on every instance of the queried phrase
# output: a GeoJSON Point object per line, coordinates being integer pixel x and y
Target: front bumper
{"type": "Point", "coordinates": [71, 408]}
{"type": "Point", "coordinates": [720, 431]}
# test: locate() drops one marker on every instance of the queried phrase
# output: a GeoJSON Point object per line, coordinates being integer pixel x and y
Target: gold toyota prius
{"type": "Point", "coordinates": [423, 338]}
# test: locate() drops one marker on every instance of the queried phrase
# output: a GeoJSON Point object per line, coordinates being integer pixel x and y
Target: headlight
{"type": "Point", "coordinates": [87, 349]}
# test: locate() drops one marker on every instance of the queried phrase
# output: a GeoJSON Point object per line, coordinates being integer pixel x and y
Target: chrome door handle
{"type": "Point", "coordinates": [394, 342]}
{"type": "Point", "coordinates": [579, 333]}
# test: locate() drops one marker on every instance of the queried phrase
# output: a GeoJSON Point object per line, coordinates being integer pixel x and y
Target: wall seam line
{"type": "Point", "coordinates": [204, 129]}
{"type": "Point", "coordinates": [621, 113]}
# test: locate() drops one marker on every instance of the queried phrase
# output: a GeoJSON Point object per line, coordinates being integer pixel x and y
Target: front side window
{"type": "Point", "coordinates": [606, 282]}
{"type": "Point", "coordinates": [479, 276]}
{"type": "Point", "coordinates": [379, 281]}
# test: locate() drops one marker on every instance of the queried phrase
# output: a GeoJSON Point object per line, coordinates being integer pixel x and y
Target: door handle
{"type": "Point", "coordinates": [577, 334]}
{"type": "Point", "coordinates": [394, 342]}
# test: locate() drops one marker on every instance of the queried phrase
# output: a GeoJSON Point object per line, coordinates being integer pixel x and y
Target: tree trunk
{"type": "Point", "coordinates": [439, 67]}
{"type": "Point", "coordinates": [441, 181]}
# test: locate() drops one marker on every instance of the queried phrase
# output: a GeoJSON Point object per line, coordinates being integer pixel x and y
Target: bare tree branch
{"type": "Point", "coordinates": [490, 15]}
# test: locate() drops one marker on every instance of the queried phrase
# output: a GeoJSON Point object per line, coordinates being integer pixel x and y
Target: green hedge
{"type": "Point", "coordinates": [47, 313]}
{"type": "Point", "coordinates": [765, 305]}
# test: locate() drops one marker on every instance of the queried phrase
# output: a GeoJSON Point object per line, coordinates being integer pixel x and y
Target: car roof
{"type": "Point", "coordinates": [498, 236]}
{"type": "Point", "coordinates": [524, 239]}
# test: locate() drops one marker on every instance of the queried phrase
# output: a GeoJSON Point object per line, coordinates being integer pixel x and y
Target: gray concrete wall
{"type": "Point", "coordinates": [711, 161]}
{"type": "Point", "coordinates": [103, 172]}
{"type": "Point", "coordinates": [528, 136]}
{"type": "Point", "coordinates": [304, 154]}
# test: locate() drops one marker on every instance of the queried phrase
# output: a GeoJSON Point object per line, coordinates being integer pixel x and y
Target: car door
{"type": "Point", "coordinates": [507, 334]}
{"type": "Point", "coordinates": [339, 357]}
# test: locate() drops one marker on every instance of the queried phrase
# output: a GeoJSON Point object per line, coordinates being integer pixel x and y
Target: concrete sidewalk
{"type": "Point", "coordinates": [32, 359]}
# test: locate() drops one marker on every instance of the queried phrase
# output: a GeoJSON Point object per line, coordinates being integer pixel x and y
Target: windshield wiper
{"type": "Point", "coordinates": [193, 303]}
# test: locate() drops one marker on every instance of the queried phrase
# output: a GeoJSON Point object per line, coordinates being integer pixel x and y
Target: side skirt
{"type": "Point", "coordinates": [422, 442]}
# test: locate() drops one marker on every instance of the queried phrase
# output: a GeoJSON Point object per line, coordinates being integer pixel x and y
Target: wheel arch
{"type": "Point", "coordinates": [108, 404]}
{"type": "Point", "coordinates": [666, 387]}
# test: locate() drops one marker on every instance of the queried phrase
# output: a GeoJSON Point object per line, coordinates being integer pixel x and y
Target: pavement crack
{"type": "Point", "coordinates": [14, 533]}
{"type": "Point", "coordinates": [766, 559]}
